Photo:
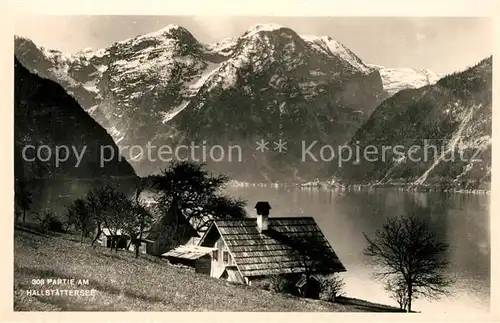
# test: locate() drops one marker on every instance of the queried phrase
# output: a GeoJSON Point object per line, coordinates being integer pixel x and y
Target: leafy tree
{"type": "Point", "coordinates": [48, 221]}
{"type": "Point", "coordinates": [221, 205]}
{"type": "Point", "coordinates": [186, 191]}
{"type": "Point", "coordinates": [281, 284]}
{"type": "Point", "coordinates": [408, 251]}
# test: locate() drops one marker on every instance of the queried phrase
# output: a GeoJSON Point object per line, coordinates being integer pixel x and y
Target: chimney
{"type": "Point", "coordinates": [262, 208]}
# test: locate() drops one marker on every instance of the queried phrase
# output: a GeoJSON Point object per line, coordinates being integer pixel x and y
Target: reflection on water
{"type": "Point", "coordinates": [461, 219]}
{"type": "Point", "coordinates": [56, 195]}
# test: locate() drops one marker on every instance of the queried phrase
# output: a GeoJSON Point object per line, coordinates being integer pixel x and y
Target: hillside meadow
{"type": "Point", "coordinates": [120, 282]}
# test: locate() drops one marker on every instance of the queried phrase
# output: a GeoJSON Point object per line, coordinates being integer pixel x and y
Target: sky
{"type": "Point", "coordinates": [443, 45]}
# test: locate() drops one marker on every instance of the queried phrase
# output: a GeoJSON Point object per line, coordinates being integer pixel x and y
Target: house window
{"type": "Point", "coordinates": [225, 256]}
{"type": "Point", "coordinates": [215, 255]}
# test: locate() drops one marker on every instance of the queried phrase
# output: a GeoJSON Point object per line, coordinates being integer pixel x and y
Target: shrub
{"type": "Point", "coordinates": [332, 287]}
{"type": "Point", "coordinates": [55, 224]}
{"type": "Point", "coordinates": [281, 284]}
{"type": "Point", "coordinates": [264, 284]}
{"type": "Point", "coordinates": [49, 221]}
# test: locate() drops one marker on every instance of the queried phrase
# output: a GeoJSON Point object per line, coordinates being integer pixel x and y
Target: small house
{"type": "Point", "coordinates": [251, 249]}
{"type": "Point", "coordinates": [164, 229]}
{"type": "Point", "coordinates": [143, 244]}
{"type": "Point", "coordinates": [110, 240]}
{"type": "Point", "coordinates": [191, 255]}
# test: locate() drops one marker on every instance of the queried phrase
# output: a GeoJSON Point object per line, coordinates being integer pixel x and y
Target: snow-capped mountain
{"type": "Point", "coordinates": [448, 124]}
{"type": "Point", "coordinates": [269, 83]}
{"type": "Point", "coordinates": [167, 87]}
{"type": "Point", "coordinates": [397, 79]}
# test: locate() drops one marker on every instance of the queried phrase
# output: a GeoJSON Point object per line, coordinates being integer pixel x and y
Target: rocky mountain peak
{"type": "Point", "coordinates": [167, 87]}
{"type": "Point", "coordinates": [332, 47]}
{"type": "Point", "coordinates": [257, 28]}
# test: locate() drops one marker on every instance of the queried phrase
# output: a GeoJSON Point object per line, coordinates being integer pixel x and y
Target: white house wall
{"type": "Point", "coordinates": [219, 265]}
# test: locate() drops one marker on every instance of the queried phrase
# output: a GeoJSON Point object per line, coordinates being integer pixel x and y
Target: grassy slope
{"type": "Point", "coordinates": [145, 284]}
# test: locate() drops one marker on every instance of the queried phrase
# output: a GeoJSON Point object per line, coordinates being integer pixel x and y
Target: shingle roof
{"type": "Point", "coordinates": [188, 252]}
{"type": "Point", "coordinates": [107, 232]}
{"type": "Point", "coordinates": [290, 245]}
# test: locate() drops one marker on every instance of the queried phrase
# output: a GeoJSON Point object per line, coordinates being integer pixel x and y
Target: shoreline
{"type": "Point", "coordinates": [403, 187]}
{"type": "Point", "coordinates": [323, 185]}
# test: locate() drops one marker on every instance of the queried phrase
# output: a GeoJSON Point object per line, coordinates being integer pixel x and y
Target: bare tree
{"type": "Point", "coordinates": [79, 216]}
{"type": "Point", "coordinates": [116, 212]}
{"type": "Point", "coordinates": [332, 287]}
{"type": "Point", "coordinates": [397, 290]}
{"type": "Point", "coordinates": [408, 250]}
{"type": "Point", "coordinates": [139, 222]}
{"type": "Point", "coordinates": [118, 215]}
{"type": "Point", "coordinates": [108, 208]}
{"type": "Point", "coordinates": [98, 201]}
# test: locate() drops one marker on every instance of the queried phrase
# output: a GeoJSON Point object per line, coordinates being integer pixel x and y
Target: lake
{"type": "Point", "coordinates": [462, 220]}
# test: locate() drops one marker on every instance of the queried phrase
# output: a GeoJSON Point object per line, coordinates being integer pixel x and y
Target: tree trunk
{"type": "Point", "coordinates": [97, 235]}
{"type": "Point", "coordinates": [138, 245]}
{"type": "Point", "coordinates": [83, 236]}
{"type": "Point", "coordinates": [24, 215]}
{"type": "Point", "coordinates": [115, 245]}
{"type": "Point", "coordinates": [410, 295]}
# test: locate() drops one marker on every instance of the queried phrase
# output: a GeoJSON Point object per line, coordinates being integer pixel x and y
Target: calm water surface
{"type": "Point", "coordinates": [462, 220]}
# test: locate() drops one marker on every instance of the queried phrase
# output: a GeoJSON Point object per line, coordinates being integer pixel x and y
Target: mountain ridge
{"type": "Point", "coordinates": [270, 83]}
{"type": "Point", "coordinates": [174, 75]}
{"type": "Point", "coordinates": [324, 42]}
{"type": "Point", "coordinates": [43, 112]}
{"type": "Point", "coordinates": [452, 117]}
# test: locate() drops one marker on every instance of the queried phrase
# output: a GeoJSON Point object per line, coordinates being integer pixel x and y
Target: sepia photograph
{"type": "Point", "coordinates": [245, 163]}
